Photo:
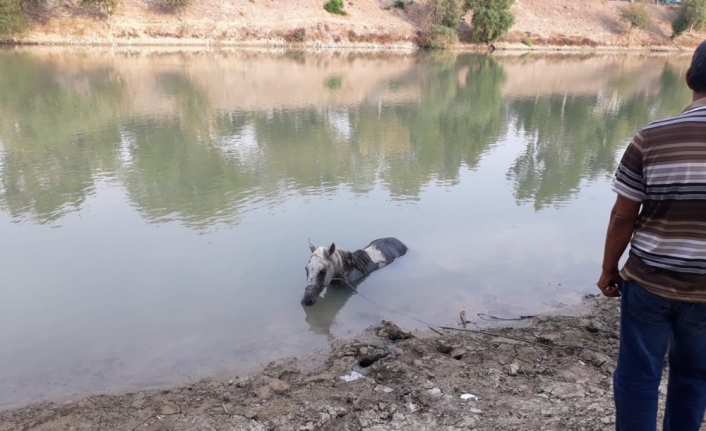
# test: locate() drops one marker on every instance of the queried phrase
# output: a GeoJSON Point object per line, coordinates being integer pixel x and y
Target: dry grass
{"type": "Point", "coordinates": [295, 36]}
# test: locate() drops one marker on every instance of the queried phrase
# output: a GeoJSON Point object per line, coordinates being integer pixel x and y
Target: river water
{"type": "Point", "coordinates": [155, 205]}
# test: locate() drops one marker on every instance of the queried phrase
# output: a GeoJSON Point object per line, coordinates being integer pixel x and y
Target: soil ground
{"type": "Point", "coordinates": [410, 382]}
{"type": "Point", "coordinates": [563, 24]}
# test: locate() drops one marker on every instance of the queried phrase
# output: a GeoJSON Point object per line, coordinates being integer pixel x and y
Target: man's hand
{"type": "Point", "coordinates": [622, 222]}
{"type": "Point", "coordinates": [609, 283]}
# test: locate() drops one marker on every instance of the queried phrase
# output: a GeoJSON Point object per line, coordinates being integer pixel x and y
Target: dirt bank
{"type": "Point", "coordinates": [415, 383]}
{"type": "Point", "coordinates": [564, 24]}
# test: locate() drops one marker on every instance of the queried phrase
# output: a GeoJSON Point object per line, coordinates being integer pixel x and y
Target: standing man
{"type": "Point", "coordinates": [661, 206]}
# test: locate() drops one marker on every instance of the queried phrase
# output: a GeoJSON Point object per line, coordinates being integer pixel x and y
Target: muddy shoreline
{"type": "Point", "coordinates": [428, 380]}
{"type": "Point", "coordinates": [320, 46]}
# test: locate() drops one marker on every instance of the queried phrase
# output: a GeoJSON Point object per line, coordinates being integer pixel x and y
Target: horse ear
{"type": "Point", "coordinates": [331, 249]}
{"type": "Point", "coordinates": [312, 247]}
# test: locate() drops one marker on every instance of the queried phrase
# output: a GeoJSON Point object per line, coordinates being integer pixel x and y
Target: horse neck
{"type": "Point", "coordinates": [346, 261]}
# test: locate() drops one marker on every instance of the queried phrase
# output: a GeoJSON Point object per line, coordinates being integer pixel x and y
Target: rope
{"type": "Point", "coordinates": [488, 317]}
{"type": "Point", "coordinates": [431, 326]}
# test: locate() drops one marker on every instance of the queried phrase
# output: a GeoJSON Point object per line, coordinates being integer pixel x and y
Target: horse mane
{"type": "Point", "coordinates": [346, 261]}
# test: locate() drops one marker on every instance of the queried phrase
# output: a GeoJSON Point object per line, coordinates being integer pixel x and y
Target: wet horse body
{"type": "Point", "coordinates": [330, 264]}
{"type": "Point", "coordinates": [376, 255]}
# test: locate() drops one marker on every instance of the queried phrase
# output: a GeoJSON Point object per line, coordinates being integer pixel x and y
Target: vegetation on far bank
{"type": "Point", "coordinates": [12, 19]}
{"type": "Point", "coordinates": [692, 16]}
{"type": "Point", "coordinates": [442, 22]}
{"type": "Point", "coordinates": [637, 16]}
{"type": "Point", "coordinates": [491, 18]}
{"type": "Point", "coordinates": [335, 7]}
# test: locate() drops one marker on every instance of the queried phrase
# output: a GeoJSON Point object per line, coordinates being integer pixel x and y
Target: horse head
{"type": "Point", "coordinates": [319, 272]}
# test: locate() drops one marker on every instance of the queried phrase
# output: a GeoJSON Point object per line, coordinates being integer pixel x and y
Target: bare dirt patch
{"type": "Point", "coordinates": [427, 381]}
{"type": "Point", "coordinates": [572, 23]}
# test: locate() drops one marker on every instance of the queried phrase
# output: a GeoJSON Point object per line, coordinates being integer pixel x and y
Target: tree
{"type": "Point", "coordinates": [174, 4]}
{"type": "Point", "coordinates": [107, 6]}
{"type": "Point", "coordinates": [12, 18]}
{"type": "Point", "coordinates": [637, 16]}
{"type": "Point", "coordinates": [691, 16]}
{"type": "Point", "coordinates": [491, 18]}
{"type": "Point", "coordinates": [439, 37]}
{"type": "Point", "coordinates": [491, 4]}
{"type": "Point", "coordinates": [490, 24]}
{"type": "Point", "coordinates": [448, 13]}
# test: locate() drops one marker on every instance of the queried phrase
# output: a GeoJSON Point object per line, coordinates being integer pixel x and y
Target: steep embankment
{"type": "Point", "coordinates": [565, 23]}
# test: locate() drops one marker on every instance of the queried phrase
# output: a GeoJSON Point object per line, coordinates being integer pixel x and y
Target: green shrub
{"type": "Point", "coordinates": [399, 4]}
{"type": "Point", "coordinates": [335, 7]}
{"type": "Point", "coordinates": [490, 4]}
{"type": "Point", "coordinates": [527, 41]}
{"type": "Point", "coordinates": [490, 24]}
{"type": "Point", "coordinates": [33, 3]}
{"type": "Point", "coordinates": [438, 37]}
{"type": "Point", "coordinates": [679, 26]}
{"type": "Point", "coordinates": [637, 16]}
{"type": "Point", "coordinates": [12, 17]}
{"type": "Point", "coordinates": [107, 6]}
{"type": "Point", "coordinates": [173, 4]}
{"type": "Point", "coordinates": [691, 16]}
{"type": "Point", "coordinates": [448, 13]}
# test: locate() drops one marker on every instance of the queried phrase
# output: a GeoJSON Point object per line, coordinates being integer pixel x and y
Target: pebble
{"type": "Point", "coordinates": [383, 389]}
{"type": "Point", "coordinates": [513, 369]}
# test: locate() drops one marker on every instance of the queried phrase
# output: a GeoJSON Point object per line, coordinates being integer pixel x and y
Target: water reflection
{"type": "Point", "coordinates": [572, 138]}
{"type": "Point", "coordinates": [322, 316]}
{"type": "Point", "coordinates": [59, 130]}
{"type": "Point", "coordinates": [140, 157]}
{"type": "Point", "coordinates": [184, 151]}
{"type": "Point", "coordinates": [458, 118]}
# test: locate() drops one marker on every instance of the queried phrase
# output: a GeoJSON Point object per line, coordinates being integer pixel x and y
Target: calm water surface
{"type": "Point", "coordinates": [155, 206]}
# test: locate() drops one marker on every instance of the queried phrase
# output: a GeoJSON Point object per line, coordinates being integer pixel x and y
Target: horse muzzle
{"type": "Point", "coordinates": [309, 297]}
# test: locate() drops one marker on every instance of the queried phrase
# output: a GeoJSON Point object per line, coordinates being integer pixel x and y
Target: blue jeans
{"type": "Point", "coordinates": [649, 325]}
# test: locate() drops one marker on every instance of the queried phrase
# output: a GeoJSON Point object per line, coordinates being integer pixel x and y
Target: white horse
{"type": "Point", "coordinates": [327, 264]}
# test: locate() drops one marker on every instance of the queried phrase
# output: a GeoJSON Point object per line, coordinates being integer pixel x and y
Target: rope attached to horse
{"type": "Point", "coordinates": [560, 347]}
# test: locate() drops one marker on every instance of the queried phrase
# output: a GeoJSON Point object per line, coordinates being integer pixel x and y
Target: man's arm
{"type": "Point", "coordinates": [620, 228]}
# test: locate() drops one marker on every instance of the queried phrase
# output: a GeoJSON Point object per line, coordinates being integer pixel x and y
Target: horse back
{"type": "Point", "coordinates": [390, 248]}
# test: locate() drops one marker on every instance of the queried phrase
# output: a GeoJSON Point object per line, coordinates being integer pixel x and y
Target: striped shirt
{"type": "Point", "coordinates": [664, 168]}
